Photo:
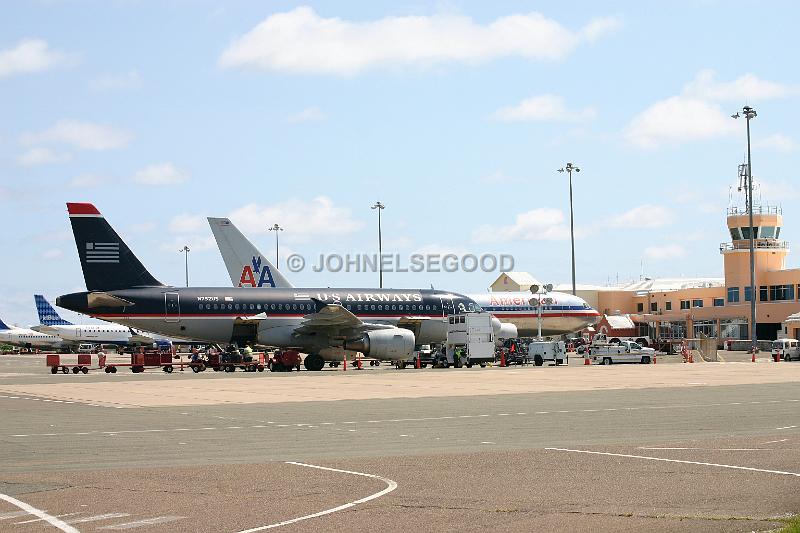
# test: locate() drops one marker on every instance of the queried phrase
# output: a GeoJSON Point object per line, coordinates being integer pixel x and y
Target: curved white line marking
{"type": "Point", "coordinates": [678, 461]}
{"type": "Point", "coordinates": [390, 486]}
{"type": "Point", "coordinates": [52, 520]}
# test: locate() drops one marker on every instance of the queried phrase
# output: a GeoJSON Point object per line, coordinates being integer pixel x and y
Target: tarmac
{"type": "Point", "coordinates": [665, 447]}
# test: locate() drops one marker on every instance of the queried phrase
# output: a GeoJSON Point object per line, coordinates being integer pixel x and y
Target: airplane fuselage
{"type": "Point", "coordinates": [271, 316]}
{"type": "Point", "coordinates": [566, 314]}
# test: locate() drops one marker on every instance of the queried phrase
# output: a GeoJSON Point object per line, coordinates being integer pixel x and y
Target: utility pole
{"type": "Point", "coordinates": [186, 251]}
{"type": "Point", "coordinates": [380, 207]}
{"type": "Point", "coordinates": [276, 228]}
{"type": "Point", "coordinates": [569, 168]}
{"type": "Point", "coordinates": [750, 113]}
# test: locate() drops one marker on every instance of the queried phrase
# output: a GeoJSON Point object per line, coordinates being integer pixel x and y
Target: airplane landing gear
{"type": "Point", "coordinates": [313, 362]}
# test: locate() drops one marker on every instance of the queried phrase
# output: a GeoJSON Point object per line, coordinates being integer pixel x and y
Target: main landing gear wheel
{"type": "Point", "coordinates": [537, 360]}
{"type": "Point", "coordinates": [54, 370]}
{"type": "Point", "coordinates": [313, 362]}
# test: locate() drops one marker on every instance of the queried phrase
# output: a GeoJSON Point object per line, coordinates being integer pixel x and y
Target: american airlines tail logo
{"type": "Point", "coordinates": [248, 277]}
{"type": "Point", "coordinates": [102, 252]}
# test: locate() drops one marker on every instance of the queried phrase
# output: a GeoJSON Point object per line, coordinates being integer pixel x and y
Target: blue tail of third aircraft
{"type": "Point", "coordinates": [47, 315]}
{"type": "Point", "coordinates": [3, 325]}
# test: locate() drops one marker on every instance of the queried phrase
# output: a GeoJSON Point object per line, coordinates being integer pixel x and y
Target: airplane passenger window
{"type": "Point", "coordinates": [237, 306]}
{"type": "Point", "coordinates": [380, 308]}
{"type": "Point", "coordinates": [373, 307]}
{"type": "Point", "coordinates": [230, 306]}
{"type": "Point", "coordinates": [272, 306]}
{"type": "Point", "coordinates": [216, 306]}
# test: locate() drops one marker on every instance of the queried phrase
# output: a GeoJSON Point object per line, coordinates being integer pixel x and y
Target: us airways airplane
{"type": "Point", "coordinates": [516, 315]}
{"type": "Point", "coordinates": [323, 322]}
{"type": "Point", "coordinates": [28, 338]}
{"type": "Point", "coordinates": [51, 322]}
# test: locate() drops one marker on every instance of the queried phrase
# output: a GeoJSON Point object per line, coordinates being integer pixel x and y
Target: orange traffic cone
{"type": "Point", "coordinates": [753, 359]}
{"type": "Point", "coordinates": [358, 362]}
{"type": "Point", "coordinates": [344, 362]}
{"type": "Point", "coordinates": [586, 361]}
{"type": "Point", "coordinates": [503, 358]}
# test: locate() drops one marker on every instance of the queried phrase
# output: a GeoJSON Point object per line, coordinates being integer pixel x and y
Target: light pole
{"type": "Point", "coordinates": [750, 113]}
{"type": "Point", "coordinates": [380, 207]}
{"type": "Point", "coordinates": [186, 251]}
{"type": "Point", "coordinates": [569, 168]}
{"type": "Point", "coordinates": [539, 302]}
{"type": "Point", "coordinates": [276, 228]}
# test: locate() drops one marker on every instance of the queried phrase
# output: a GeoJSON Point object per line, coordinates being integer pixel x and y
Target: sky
{"type": "Point", "coordinates": [455, 115]}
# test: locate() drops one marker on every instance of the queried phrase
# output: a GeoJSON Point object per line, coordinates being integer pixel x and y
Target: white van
{"type": "Point", "coordinates": [786, 349]}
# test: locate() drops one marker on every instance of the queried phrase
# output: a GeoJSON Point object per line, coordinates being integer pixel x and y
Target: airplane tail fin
{"type": "Point", "coordinates": [246, 265]}
{"type": "Point", "coordinates": [3, 326]}
{"type": "Point", "coordinates": [107, 262]}
{"type": "Point", "coordinates": [47, 315]}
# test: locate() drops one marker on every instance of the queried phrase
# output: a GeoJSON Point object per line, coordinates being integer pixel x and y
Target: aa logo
{"type": "Point", "coordinates": [250, 273]}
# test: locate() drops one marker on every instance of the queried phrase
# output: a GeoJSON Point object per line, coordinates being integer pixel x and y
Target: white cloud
{"type": "Point", "coordinates": [643, 216]}
{"type": "Point", "coordinates": [541, 224]}
{"type": "Point", "coordinates": [678, 119]}
{"type": "Point", "coordinates": [80, 134]}
{"type": "Point", "coordinates": [743, 89]}
{"type": "Point", "coordinates": [696, 114]}
{"type": "Point", "coordinates": [776, 141]}
{"type": "Point", "coordinates": [31, 55]}
{"type": "Point", "coordinates": [301, 218]}
{"type": "Point", "coordinates": [161, 174]}
{"type": "Point", "coordinates": [440, 250]}
{"type": "Point", "coordinates": [88, 180]}
{"type": "Point", "coordinates": [302, 41]}
{"type": "Point", "coordinates": [498, 178]}
{"type": "Point", "coordinates": [185, 223]}
{"type": "Point", "coordinates": [121, 81]}
{"type": "Point", "coordinates": [52, 253]}
{"type": "Point", "coordinates": [308, 114]}
{"type": "Point", "coordinates": [546, 107]}
{"type": "Point", "coordinates": [774, 191]}
{"type": "Point", "coordinates": [141, 227]}
{"type": "Point", "coordinates": [40, 156]}
{"type": "Point", "coordinates": [196, 243]}
{"type": "Point", "coordinates": [666, 251]}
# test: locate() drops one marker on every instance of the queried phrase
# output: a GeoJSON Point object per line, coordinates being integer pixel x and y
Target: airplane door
{"type": "Point", "coordinates": [172, 307]}
{"type": "Point", "coordinates": [447, 306]}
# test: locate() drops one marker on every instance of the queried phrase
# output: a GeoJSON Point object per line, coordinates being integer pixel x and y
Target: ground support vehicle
{"type": "Point", "coordinates": [470, 340]}
{"type": "Point", "coordinates": [229, 362]}
{"type": "Point", "coordinates": [786, 349]}
{"type": "Point", "coordinates": [624, 352]}
{"type": "Point", "coordinates": [548, 351]}
{"type": "Point", "coordinates": [284, 361]}
{"type": "Point", "coordinates": [57, 364]}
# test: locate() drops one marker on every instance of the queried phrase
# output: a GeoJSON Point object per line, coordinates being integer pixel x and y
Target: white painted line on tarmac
{"type": "Point", "coordinates": [774, 441]}
{"type": "Point", "coordinates": [390, 486]}
{"type": "Point", "coordinates": [710, 449]}
{"type": "Point", "coordinates": [12, 514]}
{"type": "Point", "coordinates": [54, 516]}
{"type": "Point", "coordinates": [97, 518]}
{"type": "Point", "coordinates": [145, 522]}
{"type": "Point", "coordinates": [787, 427]}
{"type": "Point", "coordinates": [52, 520]}
{"type": "Point", "coordinates": [662, 459]}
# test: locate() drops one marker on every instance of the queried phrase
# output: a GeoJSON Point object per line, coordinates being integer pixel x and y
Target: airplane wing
{"type": "Point", "coordinates": [336, 321]}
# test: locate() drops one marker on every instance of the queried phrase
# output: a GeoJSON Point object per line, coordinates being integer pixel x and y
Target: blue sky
{"type": "Point", "coordinates": [456, 115]}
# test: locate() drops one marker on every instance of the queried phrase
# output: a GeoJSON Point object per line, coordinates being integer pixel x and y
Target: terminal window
{"type": "Point", "coordinates": [763, 293]}
{"type": "Point", "coordinates": [668, 306]}
{"type": "Point", "coordinates": [653, 307]}
{"type": "Point", "coordinates": [781, 292]}
{"type": "Point", "coordinates": [639, 307]}
{"type": "Point", "coordinates": [719, 302]}
{"type": "Point", "coordinates": [697, 303]}
{"type": "Point", "coordinates": [748, 291]}
{"type": "Point", "coordinates": [685, 304]}
{"type": "Point", "coordinates": [733, 294]}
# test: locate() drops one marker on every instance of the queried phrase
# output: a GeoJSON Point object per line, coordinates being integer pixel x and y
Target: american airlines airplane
{"type": "Point", "coordinates": [561, 314]}
{"type": "Point", "coordinates": [325, 323]}
{"type": "Point", "coordinates": [28, 338]}
{"type": "Point", "coordinates": [52, 323]}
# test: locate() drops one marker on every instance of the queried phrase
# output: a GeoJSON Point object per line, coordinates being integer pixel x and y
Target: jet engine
{"type": "Point", "coordinates": [503, 330]}
{"type": "Point", "coordinates": [391, 344]}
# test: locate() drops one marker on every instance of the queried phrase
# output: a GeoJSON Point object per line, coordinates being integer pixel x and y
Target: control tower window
{"type": "Point", "coordinates": [768, 232]}
{"type": "Point", "coordinates": [736, 235]}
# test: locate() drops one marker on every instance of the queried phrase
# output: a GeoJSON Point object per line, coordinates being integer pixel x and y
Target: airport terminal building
{"type": "Point", "coordinates": [714, 307]}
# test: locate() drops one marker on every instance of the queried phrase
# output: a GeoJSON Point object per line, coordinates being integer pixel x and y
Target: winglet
{"type": "Point", "coordinates": [82, 209]}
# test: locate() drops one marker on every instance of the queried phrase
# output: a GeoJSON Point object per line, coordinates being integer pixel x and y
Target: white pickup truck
{"type": "Point", "coordinates": [622, 352]}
